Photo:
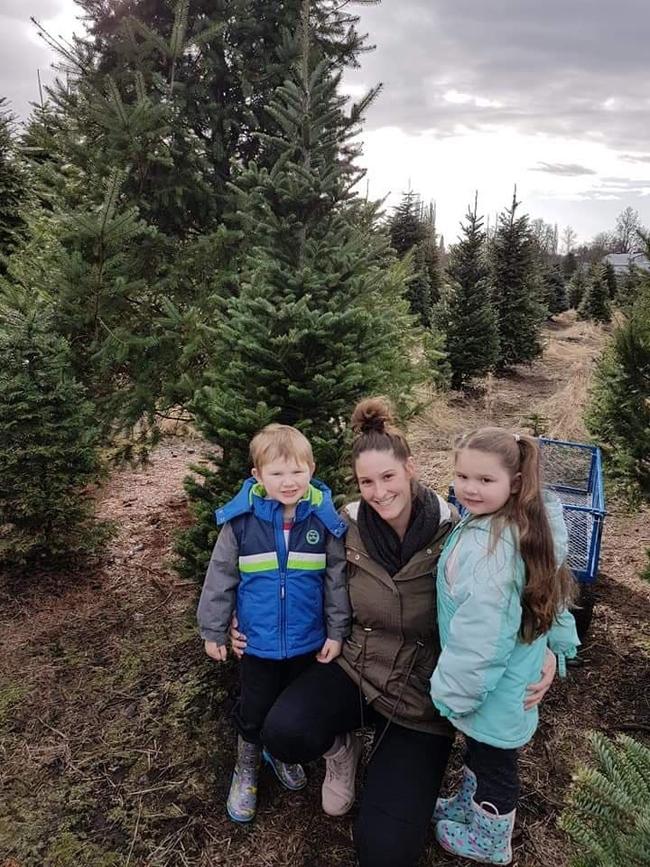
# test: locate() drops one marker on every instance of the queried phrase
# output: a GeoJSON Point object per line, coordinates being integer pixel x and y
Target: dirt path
{"type": "Point", "coordinates": [114, 743]}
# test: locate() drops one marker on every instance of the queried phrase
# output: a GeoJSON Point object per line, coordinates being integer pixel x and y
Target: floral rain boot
{"type": "Point", "coordinates": [242, 798]}
{"type": "Point", "coordinates": [292, 777]}
{"type": "Point", "coordinates": [458, 808]}
{"type": "Point", "coordinates": [486, 838]}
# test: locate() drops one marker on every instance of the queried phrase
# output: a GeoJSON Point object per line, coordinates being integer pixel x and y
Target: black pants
{"type": "Point", "coordinates": [497, 774]}
{"type": "Point", "coordinates": [402, 779]}
{"type": "Point", "coordinates": [260, 683]}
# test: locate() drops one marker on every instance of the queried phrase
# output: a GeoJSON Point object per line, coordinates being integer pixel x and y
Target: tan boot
{"type": "Point", "coordinates": [340, 772]}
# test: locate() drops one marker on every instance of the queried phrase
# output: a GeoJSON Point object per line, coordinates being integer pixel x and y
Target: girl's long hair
{"type": "Point", "coordinates": [548, 589]}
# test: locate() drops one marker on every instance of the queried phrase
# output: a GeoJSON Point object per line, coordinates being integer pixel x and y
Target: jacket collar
{"type": "Point", "coordinates": [251, 498]}
{"type": "Point", "coordinates": [423, 561]}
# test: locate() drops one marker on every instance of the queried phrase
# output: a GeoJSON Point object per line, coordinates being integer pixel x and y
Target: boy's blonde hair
{"type": "Point", "coordinates": [280, 441]}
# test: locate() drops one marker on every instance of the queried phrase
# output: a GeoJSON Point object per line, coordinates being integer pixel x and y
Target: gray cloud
{"type": "Point", "coordinates": [569, 170]}
{"type": "Point", "coordinates": [21, 56]}
{"type": "Point", "coordinates": [578, 69]}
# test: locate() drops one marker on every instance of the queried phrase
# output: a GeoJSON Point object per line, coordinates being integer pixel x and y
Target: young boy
{"type": "Point", "coordinates": [280, 563]}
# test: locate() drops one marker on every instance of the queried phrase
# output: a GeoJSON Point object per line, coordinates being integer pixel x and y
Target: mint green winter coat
{"type": "Point", "coordinates": [484, 669]}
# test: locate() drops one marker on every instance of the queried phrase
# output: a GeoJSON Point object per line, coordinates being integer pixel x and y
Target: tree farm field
{"type": "Point", "coordinates": [115, 744]}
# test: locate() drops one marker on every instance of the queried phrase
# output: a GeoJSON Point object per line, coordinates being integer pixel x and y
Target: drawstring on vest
{"type": "Point", "coordinates": [396, 703]}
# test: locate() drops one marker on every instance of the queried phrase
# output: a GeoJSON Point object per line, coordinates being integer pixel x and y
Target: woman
{"type": "Point", "coordinates": [382, 678]}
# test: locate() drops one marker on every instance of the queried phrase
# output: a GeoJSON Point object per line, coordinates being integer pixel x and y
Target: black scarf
{"type": "Point", "coordinates": [382, 542]}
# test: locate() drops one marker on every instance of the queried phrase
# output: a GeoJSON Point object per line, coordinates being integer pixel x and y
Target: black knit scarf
{"type": "Point", "coordinates": [382, 542]}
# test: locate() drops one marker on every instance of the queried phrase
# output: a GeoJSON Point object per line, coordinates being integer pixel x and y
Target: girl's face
{"type": "Point", "coordinates": [482, 484]}
{"type": "Point", "coordinates": [385, 484]}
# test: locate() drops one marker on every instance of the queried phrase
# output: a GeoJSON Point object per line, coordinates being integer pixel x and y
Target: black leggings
{"type": "Point", "coordinates": [402, 779]}
{"type": "Point", "coordinates": [497, 774]}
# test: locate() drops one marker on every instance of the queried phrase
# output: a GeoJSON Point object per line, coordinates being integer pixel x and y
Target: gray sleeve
{"type": "Point", "coordinates": [337, 602]}
{"type": "Point", "coordinates": [219, 593]}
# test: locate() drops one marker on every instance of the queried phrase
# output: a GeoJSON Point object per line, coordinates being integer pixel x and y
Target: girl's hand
{"type": "Point", "coordinates": [536, 691]}
{"type": "Point", "coordinates": [329, 651]}
{"type": "Point", "coordinates": [216, 651]}
{"type": "Point", "coordinates": [237, 639]}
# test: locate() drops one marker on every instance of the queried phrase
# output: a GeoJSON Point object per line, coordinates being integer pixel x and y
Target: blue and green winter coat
{"type": "Point", "coordinates": [484, 668]}
{"type": "Point", "coordinates": [288, 599]}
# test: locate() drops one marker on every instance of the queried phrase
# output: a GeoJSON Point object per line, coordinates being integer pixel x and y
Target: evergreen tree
{"type": "Point", "coordinates": [407, 228]}
{"type": "Point", "coordinates": [629, 286]}
{"type": "Point", "coordinates": [48, 447]}
{"type": "Point", "coordinates": [465, 314]}
{"type": "Point", "coordinates": [12, 187]}
{"type": "Point", "coordinates": [555, 293]}
{"type": "Point", "coordinates": [412, 232]}
{"type": "Point", "coordinates": [577, 288]}
{"type": "Point", "coordinates": [610, 279]}
{"type": "Point", "coordinates": [186, 86]}
{"type": "Point", "coordinates": [317, 322]}
{"type": "Point", "coordinates": [595, 301]}
{"type": "Point", "coordinates": [432, 252]}
{"type": "Point", "coordinates": [619, 410]}
{"type": "Point", "coordinates": [515, 289]}
{"type": "Point", "coordinates": [569, 265]}
{"type": "Point", "coordinates": [608, 811]}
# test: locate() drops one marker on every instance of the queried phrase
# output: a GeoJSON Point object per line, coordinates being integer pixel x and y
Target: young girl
{"type": "Point", "coordinates": [503, 592]}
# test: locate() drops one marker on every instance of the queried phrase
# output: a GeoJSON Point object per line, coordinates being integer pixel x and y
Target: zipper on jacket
{"type": "Point", "coordinates": [283, 550]}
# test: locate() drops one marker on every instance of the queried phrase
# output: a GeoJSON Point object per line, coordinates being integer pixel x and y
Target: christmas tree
{"type": "Point", "coordinates": [317, 322]}
{"type": "Point", "coordinates": [608, 812]}
{"type": "Point", "coordinates": [577, 288]}
{"type": "Point", "coordinates": [48, 450]}
{"type": "Point", "coordinates": [516, 293]}
{"type": "Point", "coordinates": [12, 187]}
{"type": "Point", "coordinates": [413, 233]}
{"type": "Point", "coordinates": [595, 301]}
{"type": "Point", "coordinates": [555, 294]}
{"type": "Point", "coordinates": [610, 279]}
{"type": "Point", "coordinates": [619, 411]}
{"type": "Point", "coordinates": [465, 314]}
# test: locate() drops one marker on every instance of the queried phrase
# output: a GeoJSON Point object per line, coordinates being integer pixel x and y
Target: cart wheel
{"type": "Point", "coordinates": [584, 610]}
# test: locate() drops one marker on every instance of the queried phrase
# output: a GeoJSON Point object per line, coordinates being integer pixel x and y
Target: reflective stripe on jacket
{"type": "Point", "coordinates": [288, 599]}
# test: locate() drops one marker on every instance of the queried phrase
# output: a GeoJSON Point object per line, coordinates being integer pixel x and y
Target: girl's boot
{"type": "Point", "coordinates": [486, 838]}
{"type": "Point", "coordinates": [242, 798]}
{"type": "Point", "coordinates": [458, 808]}
{"type": "Point", "coordinates": [292, 777]}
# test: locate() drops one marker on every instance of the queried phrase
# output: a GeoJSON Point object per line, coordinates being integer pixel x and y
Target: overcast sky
{"type": "Point", "coordinates": [553, 96]}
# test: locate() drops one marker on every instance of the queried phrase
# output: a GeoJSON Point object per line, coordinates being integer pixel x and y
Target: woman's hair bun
{"type": "Point", "coordinates": [372, 414]}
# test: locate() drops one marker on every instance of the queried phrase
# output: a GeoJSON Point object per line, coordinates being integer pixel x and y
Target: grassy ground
{"type": "Point", "coordinates": [115, 749]}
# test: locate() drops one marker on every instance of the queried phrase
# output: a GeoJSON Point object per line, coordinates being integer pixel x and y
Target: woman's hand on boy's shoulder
{"type": "Point", "coordinates": [237, 639]}
{"type": "Point", "coordinates": [216, 651]}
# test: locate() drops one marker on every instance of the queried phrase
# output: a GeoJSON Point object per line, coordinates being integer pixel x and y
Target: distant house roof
{"type": "Point", "coordinates": [622, 261]}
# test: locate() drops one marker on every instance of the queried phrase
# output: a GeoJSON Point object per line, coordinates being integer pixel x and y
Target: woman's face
{"type": "Point", "coordinates": [385, 484]}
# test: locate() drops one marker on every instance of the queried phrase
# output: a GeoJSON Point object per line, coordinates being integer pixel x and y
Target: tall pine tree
{"type": "Point", "coordinates": [412, 235]}
{"type": "Point", "coordinates": [311, 330]}
{"type": "Point", "coordinates": [515, 288]}
{"type": "Point", "coordinates": [465, 314]}
{"type": "Point", "coordinates": [619, 411]}
{"type": "Point", "coordinates": [13, 187]}
{"type": "Point", "coordinates": [48, 447]}
{"type": "Point", "coordinates": [555, 294]}
{"type": "Point", "coordinates": [577, 288]}
{"type": "Point", "coordinates": [595, 301]}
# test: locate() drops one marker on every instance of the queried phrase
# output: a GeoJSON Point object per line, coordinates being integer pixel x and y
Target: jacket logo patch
{"type": "Point", "coordinates": [313, 537]}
